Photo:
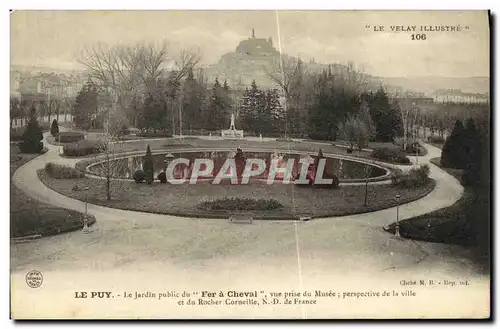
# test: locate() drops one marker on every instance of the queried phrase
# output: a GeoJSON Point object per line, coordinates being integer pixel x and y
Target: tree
{"type": "Point", "coordinates": [218, 108]}
{"type": "Point", "coordinates": [356, 131]}
{"type": "Point", "coordinates": [472, 149]}
{"type": "Point", "coordinates": [32, 136]}
{"type": "Point", "coordinates": [192, 102]}
{"type": "Point", "coordinates": [15, 110]}
{"type": "Point", "coordinates": [386, 116]}
{"type": "Point", "coordinates": [148, 166]}
{"type": "Point", "coordinates": [274, 112]}
{"type": "Point", "coordinates": [54, 128]}
{"type": "Point", "coordinates": [452, 155]}
{"type": "Point", "coordinates": [128, 69]}
{"type": "Point", "coordinates": [86, 105]}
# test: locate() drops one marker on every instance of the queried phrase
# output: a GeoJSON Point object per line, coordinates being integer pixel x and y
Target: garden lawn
{"type": "Point", "coordinates": [184, 199]}
{"type": "Point", "coordinates": [451, 224]}
{"type": "Point", "coordinates": [30, 217]}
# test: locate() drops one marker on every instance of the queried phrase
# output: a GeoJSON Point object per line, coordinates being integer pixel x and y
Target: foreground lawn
{"type": "Point", "coordinates": [184, 199]}
{"type": "Point", "coordinates": [30, 217]}
{"type": "Point", "coordinates": [464, 223]}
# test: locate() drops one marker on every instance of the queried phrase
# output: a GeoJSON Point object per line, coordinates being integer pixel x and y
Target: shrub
{"type": "Point", "coordinates": [148, 166]}
{"type": "Point", "coordinates": [32, 137]}
{"type": "Point", "coordinates": [236, 203]}
{"type": "Point", "coordinates": [422, 173]}
{"type": "Point", "coordinates": [390, 155]}
{"type": "Point", "coordinates": [152, 134]}
{"type": "Point", "coordinates": [416, 177]}
{"type": "Point", "coordinates": [139, 176]}
{"type": "Point", "coordinates": [70, 136]}
{"type": "Point", "coordinates": [453, 154]}
{"type": "Point", "coordinates": [31, 148]}
{"type": "Point", "coordinates": [83, 147]}
{"type": "Point", "coordinates": [54, 128]}
{"type": "Point", "coordinates": [62, 172]}
{"type": "Point", "coordinates": [436, 139]}
{"type": "Point", "coordinates": [162, 177]}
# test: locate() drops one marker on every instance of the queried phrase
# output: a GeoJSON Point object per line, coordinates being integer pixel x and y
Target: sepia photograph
{"type": "Point", "coordinates": [250, 164]}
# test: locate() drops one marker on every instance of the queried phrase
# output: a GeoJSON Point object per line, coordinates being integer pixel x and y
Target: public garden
{"type": "Point", "coordinates": [101, 201]}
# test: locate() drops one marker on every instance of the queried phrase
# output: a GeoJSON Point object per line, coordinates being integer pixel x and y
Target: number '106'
{"type": "Point", "coordinates": [418, 37]}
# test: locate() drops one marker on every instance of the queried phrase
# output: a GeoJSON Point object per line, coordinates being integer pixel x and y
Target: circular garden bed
{"type": "Point", "coordinates": [191, 201]}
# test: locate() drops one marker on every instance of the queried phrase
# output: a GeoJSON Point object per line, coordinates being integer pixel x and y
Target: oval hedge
{"type": "Point", "coordinates": [70, 137]}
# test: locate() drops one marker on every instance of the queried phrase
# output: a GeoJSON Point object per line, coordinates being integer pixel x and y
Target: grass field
{"type": "Point", "coordinates": [30, 217]}
{"type": "Point", "coordinates": [463, 223]}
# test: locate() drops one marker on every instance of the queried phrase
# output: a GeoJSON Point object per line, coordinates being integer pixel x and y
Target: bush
{"type": "Point", "coordinates": [83, 147]}
{"type": "Point", "coordinates": [62, 172]}
{"type": "Point", "coordinates": [237, 203]}
{"type": "Point", "coordinates": [148, 166]}
{"type": "Point", "coordinates": [390, 155]}
{"type": "Point", "coordinates": [416, 177]}
{"type": "Point", "coordinates": [320, 136]}
{"type": "Point", "coordinates": [32, 136]}
{"type": "Point", "coordinates": [139, 176]}
{"type": "Point", "coordinates": [30, 148]}
{"type": "Point", "coordinates": [54, 128]}
{"type": "Point", "coordinates": [162, 177]}
{"type": "Point", "coordinates": [436, 139]}
{"type": "Point", "coordinates": [151, 134]}
{"type": "Point", "coordinates": [70, 137]}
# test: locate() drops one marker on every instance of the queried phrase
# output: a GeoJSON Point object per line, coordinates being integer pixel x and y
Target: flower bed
{"type": "Point", "coordinates": [235, 203]}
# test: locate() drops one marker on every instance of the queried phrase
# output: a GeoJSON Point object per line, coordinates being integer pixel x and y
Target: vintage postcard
{"type": "Point", "coordinates": [250, 164]}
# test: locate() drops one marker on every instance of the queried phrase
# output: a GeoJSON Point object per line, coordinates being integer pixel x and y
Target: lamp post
{"type": "Point", "coordinates": [86, 228]}
{"type": "Point", "coordinates": [396, 233]}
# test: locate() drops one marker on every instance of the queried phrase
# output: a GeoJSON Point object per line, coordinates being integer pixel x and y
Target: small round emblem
{"type": "Point", "coordinates": [34, 278]}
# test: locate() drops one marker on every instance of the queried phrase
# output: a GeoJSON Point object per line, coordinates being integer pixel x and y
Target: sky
{"type": "Point", "coordinates": [54, 38]}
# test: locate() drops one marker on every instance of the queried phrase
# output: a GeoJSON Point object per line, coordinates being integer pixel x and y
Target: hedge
{"type": "Point", "coordinates": [416, 177]}
{"type": "Point", "coordinates": [70, 137]}
{"type": "Point", "coordinates": [390, 155]}
{"type": "Point", "coordinates": [139, 176]}
{"type": "Point", "coordinates": [83, 147]}
{"type": "Point", "coordinates": [237, 203]}
{"type": "Point", "coordinates": [62, 172]}
{"type": "Point", "coordinates": [154, 135]}
{"type": "Point", "coordinates": [436, 139]}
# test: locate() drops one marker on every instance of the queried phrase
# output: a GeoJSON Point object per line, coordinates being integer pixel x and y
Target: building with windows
{"type": "Point", "coordinates": [458, 96]}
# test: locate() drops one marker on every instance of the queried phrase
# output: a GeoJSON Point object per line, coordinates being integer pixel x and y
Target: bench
{"type": "Point", "coordinates": [241, 218]}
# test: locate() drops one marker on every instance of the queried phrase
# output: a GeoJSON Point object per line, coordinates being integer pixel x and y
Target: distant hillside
{"type": "Point", "coordinates": [42, 69]}
{"type": "Point", "coordinates": [428, 85]}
